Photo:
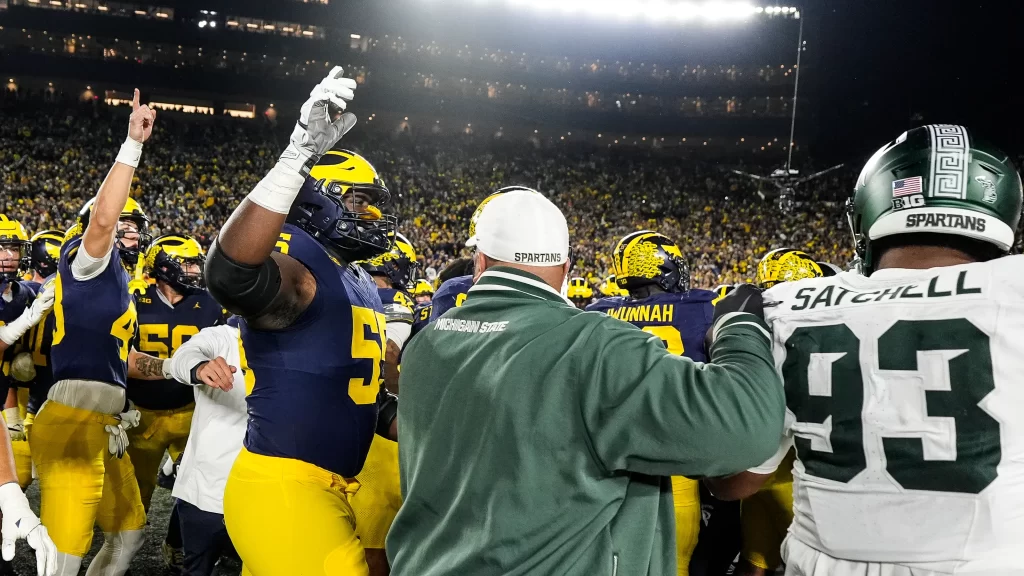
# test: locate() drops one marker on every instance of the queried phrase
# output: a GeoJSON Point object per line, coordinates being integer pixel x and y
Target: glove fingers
{"type": "Point", "coordinates": [338, 102]}
{"type": "Point", "coordinates": [7, 549]}
{"type": "Point", "coordinates": [336, 72]}
{"type": "Point", "coordinates": [345, 123]}
{"type": "Point", "coordinates": [343, 86]}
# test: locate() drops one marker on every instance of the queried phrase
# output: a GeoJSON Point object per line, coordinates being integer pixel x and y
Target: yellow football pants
{"type": "Point", "coordinates": [686, 499]}
{"type": "Point", "coordinates": [379, 497]}
{"type": "Point", "coordinates": [290, 517]}
{"type": "Point", "coordinates": [81, 484]}
{"type": "Point", "coordinates": [764, 521]}
{"type": "Point", "coordinates": [158, 431]}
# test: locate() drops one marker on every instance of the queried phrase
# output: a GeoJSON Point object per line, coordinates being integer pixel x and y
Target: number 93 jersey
{"type": "Point", "coordinates": [905, 403]}
{"type": "Point", "coordinates": [314, 386]}
{"type": "Point", "coordinates": [680, 319]}
{"type": "Point", "coordinates": [94, 321]}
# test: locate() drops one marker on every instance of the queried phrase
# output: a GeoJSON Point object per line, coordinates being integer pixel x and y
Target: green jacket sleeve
{"type": "Point", "coordinates": [652, 412]}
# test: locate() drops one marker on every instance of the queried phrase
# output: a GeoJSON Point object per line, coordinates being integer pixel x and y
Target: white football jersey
{"type": "Point", "coordinates": [905, 400]}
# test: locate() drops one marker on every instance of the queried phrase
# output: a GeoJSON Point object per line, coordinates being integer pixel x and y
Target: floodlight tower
{"type": "Point", "coordinates": [796, 89]}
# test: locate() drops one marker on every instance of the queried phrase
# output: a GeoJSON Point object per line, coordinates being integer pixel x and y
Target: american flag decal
{"type": "Point", "coordinates": [906, 186]}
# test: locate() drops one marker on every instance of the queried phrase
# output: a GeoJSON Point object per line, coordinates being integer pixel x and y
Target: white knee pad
{"type": "Point", "coordinates": [68, 565]}
{"type": "Point", "coordinates": [115, 556]}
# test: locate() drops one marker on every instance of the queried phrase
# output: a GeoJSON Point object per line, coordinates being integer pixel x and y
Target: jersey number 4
{"type": "Point", "coordinates": [836, 405]}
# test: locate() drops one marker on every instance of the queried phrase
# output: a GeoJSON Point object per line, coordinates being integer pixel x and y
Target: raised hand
{"type": "Point", "coordinates": [140, 123]}
{"type": "Point", "coordinates": [317, 131]}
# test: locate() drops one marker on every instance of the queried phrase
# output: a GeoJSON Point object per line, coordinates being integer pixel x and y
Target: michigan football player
{"type": "Point", "coordinates": [21, 308]}
{"type": "Point", "coordinates": [18, 370]}
{"type": "Point", "coordinates": [580, 292]}
{"type": "Point", "coordinates": [45, 255]}
{"type": "Point", "coordinates": [423, 293]}
{"type": "Point", "coordinates": [765, 517]}
{"type": "Point", "coordinates": [313, 338]}
{"type": "Point", "coordinates": [79, 435]}
{"type": "Point", "coordinates": [650, 268]}
{"type": "Point", "coordinates": [902, 387]}
{"type": "Point", "coordinates": [380, 496]}
{"type": "Point", "coordinates": [170, 311]}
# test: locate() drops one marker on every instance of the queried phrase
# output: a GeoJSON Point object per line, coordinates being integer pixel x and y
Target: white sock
{"type": "Point", "coordinates": [68, 565]}
{"type": "Point", "coordinates": [168, 466]}
{"type": "Point", "coordinates": [115, 556]}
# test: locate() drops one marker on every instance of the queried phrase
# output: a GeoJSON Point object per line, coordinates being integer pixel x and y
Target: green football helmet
{"type": "Point", "coordinates": [936, 179]}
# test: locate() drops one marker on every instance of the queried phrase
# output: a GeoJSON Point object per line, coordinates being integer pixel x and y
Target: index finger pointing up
{"type": "Point", "coordinates": [135, 100]}
{"type": "Point", "coordinates": [336, 72]}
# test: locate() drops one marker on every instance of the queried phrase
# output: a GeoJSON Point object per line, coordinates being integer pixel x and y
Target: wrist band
{"type": "Point", "coordinates": [130, 153]}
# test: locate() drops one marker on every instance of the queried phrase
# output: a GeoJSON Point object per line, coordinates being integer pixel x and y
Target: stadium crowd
{"type": "Point", "coordinates": [54, 157]}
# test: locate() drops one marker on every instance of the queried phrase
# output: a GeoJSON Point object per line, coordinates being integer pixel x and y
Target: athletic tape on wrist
{"type": "Point", "coordinates": [130, 153]}
{"type": "Point", "coordinates": [278, 189]}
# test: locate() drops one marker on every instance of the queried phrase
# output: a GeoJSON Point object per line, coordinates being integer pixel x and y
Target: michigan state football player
{"type": "Point", "coordinates": [313, 338]}
{"type": "Point", "coordinates": [902, 385]}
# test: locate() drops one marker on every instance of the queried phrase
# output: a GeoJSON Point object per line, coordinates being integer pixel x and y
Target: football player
{"type": "Point", "coordinates": [79, 438]}
{"type": "Point", "coordinates": [21, 309]}
{"type": "Point", "coordinates": [379, 497]}
{"type": "Point", "coordinates": [580, 292]}
{"type": "Point", "coordinates": [313, 332]}
{"type": "Point", "coordinates": [447, 297]}
{"type": "Point", "coordinates": [170, 312]}
{"type": "Point", "coordinates": [45, 255]}
{"type": "Point", "coordinates": [650, 268]}
{"type": "Point", "coordinates": [903, 400]}
{"type": "Point", "coordinates": [765, 517]}
{"type": "Point", "coordinates": [16, 360]}
{"type": "Point", "coordinates": [423, 292]}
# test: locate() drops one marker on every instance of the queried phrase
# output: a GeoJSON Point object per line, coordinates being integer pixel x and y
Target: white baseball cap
{"type": "Point", "coordinates": [523, 227]}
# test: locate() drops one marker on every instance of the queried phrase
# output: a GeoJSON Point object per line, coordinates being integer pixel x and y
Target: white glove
{"type": "Point", "coordinates": [315, 133]}
{"type": "Point", "coordinates": [117, 443]}
{"type": "Point", "coordinates": [19, 522]}
{"type": "Point", "coordinates": [12, 332]}
{"type": "Point", "coordinates": [15, 425]}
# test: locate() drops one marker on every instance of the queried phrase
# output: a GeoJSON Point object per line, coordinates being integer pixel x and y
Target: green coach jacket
{"type": "Point", "coordinates": [537, 439]}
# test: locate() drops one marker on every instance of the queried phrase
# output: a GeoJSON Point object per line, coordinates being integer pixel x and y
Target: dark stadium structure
{"type": "Point", "coordinates": [423, 67]}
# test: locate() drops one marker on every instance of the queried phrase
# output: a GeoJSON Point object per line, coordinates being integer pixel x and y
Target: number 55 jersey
{"type": "Point", "coordinates": [905, 403]}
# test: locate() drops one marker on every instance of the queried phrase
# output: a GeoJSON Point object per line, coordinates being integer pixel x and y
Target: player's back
{"type": "Point", "coordinates": [680, 319]}
{"type": "Point", "coordinates": [450, 294]}
{"type": "Point", "coordinates": [905, 405]}
{"type": "Point", "coordinates": [328, 362]}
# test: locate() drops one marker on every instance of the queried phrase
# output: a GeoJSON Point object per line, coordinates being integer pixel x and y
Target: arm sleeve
{"type": "Point", "coordinates": [772, 464]}
{"type": "Point", "coordinates": [85, 267]}
{"type": "Point", "coordinates": [652, 412]}
{"type": "Point", "coordinates": [208, 344]}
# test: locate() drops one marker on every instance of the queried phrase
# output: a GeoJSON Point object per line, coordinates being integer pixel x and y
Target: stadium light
{"type": "Point", "coordinates": [654, 11]}
{"type": "Point", "coordinates": [202, 23]}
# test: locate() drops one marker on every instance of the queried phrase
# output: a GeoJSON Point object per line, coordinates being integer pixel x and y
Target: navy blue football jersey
{"type": "Point", "coordinates": [94, 321]}
{"type": "Point", "coordinates": [315, 385]}
{"type": "Point", "coordinates": [162, 329]}
{"type": "Point", "coordinates": [398, 306]}
{"type": "Point", "coordinates": [22, 294]}
{"type": "Point", "coordinates": [679, 319]}
{"type": "Point", "coordinates": [39, 340]}
{"type": "Point", "coordinates": [450, 294]}
{"type": "Point", "coordinates": [420, 318]}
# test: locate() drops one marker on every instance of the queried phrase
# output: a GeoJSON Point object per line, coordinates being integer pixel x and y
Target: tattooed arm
{"type": "Point", "coordinates": [145, 367]}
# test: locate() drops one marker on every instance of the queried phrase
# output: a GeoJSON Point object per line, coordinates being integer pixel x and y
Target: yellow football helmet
{"type": "Point", "coordinates": [399, 265]}
{"type": "Point", "coordinates": [13, 237]}
{"type": "Point", "coordinates": [786, 265]}
{"type": "Point", "coordinates": [646, 257]}
{"type": "Point", "coordinates": [178, 260]}
{"type": "Point", "coordinates": [611, 288]}
{"type": "Point", "coordinates": [46, 251]}
{"type": "Point", "coordinates": [579, 292]}
{"type": "Point", "coordinates": [340, 206]}
{"type": "Point", "coordinates": [423, 288]}
{"type": "Point", "coordinates": [132, 212]}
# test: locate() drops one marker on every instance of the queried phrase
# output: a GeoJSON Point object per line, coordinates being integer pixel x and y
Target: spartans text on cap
{"type": "Point", "coordinates": [539, 257]}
